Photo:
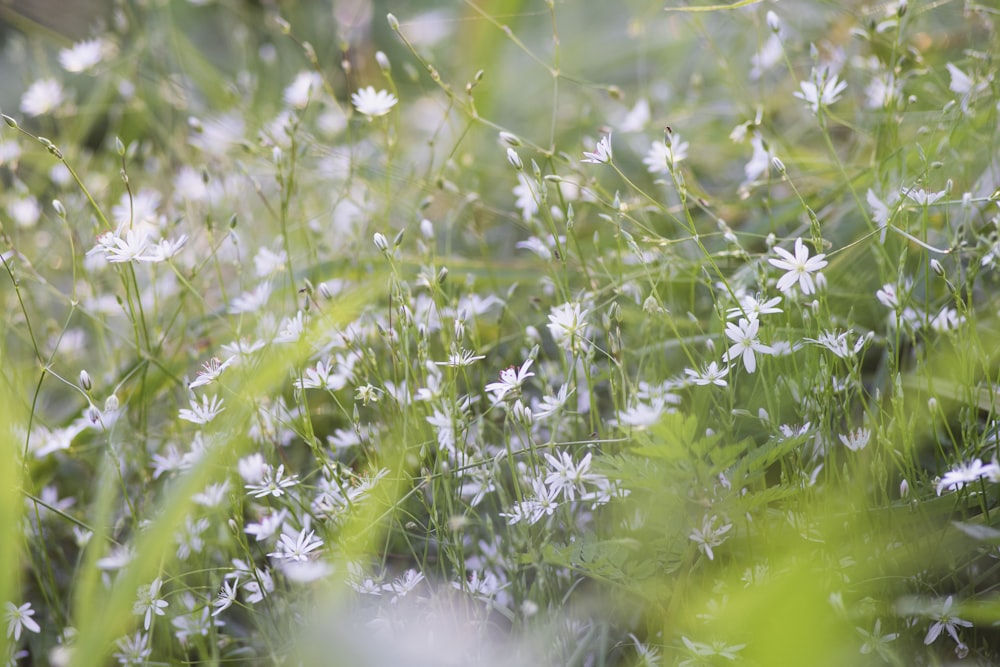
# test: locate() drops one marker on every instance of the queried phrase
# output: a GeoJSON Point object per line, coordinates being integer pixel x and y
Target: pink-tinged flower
{"type": "Point", "coordinates": [511, 380]}
{"type": "Point", "coordinates": [601, 154]}
{"type": "Point", "coordinates": [798, 266]}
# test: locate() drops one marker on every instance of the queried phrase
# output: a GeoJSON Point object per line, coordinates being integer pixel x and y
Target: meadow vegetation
{"type": "Point", "coordinates": [502, 333]}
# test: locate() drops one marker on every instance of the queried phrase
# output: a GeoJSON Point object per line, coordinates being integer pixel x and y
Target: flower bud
{"type": "Point", "coordinates": [514, 159]}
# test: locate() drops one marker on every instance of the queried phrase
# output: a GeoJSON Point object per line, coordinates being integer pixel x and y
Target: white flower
{"type": "Point", "coordinates": [708, 536]}
{"type": "Point", "coordinates": [661, 157]}
{"type": "Point", "coordinates": [947, 623]}
{"type": "Point", "coordinates": [711, 375]}
{"type": "Point", "coordinates": [208, 410]}
{"type": "Point", "coordinates": [922, 197]}
{"type": "Point", "coordinates": [568, 326]}
{"type": "Point", "coordinates": [251, 302]}
{"type": "Point", "coordinates": [550, 405]}
{"type": "Point", "coordinates": [745, 343]}
{"type": "Point", "coordinates": [822, 90]}
{"type": "Point", "coordinates": [224, 600]}
{"type": "Point", "coordinates": [304, 88]}
{"type": "Point", "coordinates": [461, 357]}
{"type": "Point", "coordinates": [511, 380]}
{"type": "Point", "coordinates": [760, 161]}
{"type": "Point", "coordinates": [212, 369]}
{"type": "Point", "coordinates": [373, 104]}
{"type": "Point", "coordinates": [856, 440]}
{"type": "Point", "coordinates": [83, 56]}
{"type": "Point", "coordinates": [42, 97]}
{"type": "Point", "coordinates": [19, 618]}
{"type": "Point", "coordinates": [754, 305]}
{"type": "Point", "coordinates": [798, 266]}
{"type": "Point", "coordinates": [567, 477]}
{"type": "Point", "coordinates": [272, 483]}
{"type": "Point", "coordinates": [601, 154]}
{"type": "Point", "coordinates": [526, 194]}
{"type": "Point", "coordinates": [149, 602]}
{"type": "Point", "coordinates": [297, 547]}
{"type": "Point", "coordinates": [404, 584]}
{"type": "Point", "coordinates": [966, 473]}
{"type": "Point", "coordinates": [641, 415]}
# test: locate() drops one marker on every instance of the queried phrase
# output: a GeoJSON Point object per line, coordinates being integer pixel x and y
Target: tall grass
{"type": "Point", "coordinates": [591, 334]}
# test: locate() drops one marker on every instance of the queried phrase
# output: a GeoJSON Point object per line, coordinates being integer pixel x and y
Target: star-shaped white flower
{"type": "Point", "coordinates": [799, 267]}
{"type": "Point", "coordinates": [373, 103]}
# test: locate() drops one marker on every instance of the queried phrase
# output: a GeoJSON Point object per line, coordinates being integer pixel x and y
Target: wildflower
{"type": "Point", "coordinates": [404, 584]}
{"type": "Point", "coordinates": [649, 656]}
{"type": "Point", "coordinates": [323, 376]}
{"type": "Point", "coordinates": [922, 197]}
{"type": "Point", "coordinates": [754, 306]}
{"type": "Point", "coordinates": [149, 602]}
{"type": "Point", "coordinates": [296, 547]}
{"type": "Point", "coordinates": [823, 90]}
{"type": "Point", "coordinates": [567, 476]}
{"type": "Point", "coordinates": [267, 526]}
{"type": "Point", "coordinates": [133, 650]}
{"type": "Point", "coordinates": [212, 369]}
{"type": "Point", "coordinates": [204, 413]}
{"type": "Point", "coordinates": [373, 104]}
{"type": "Point", "coordinates": [966, 473]}
{"type": "Point", "coordinates": [876, 641]}
{"type": "Point", "coordinates": [251, 302]}
{"type": "Point", "coordinates": [716, 648]}
{"type": "Point", "coordinates": [83, 56]}
{"type": "Point", "coordinates": [273, 483]}
{"type": "Point", "coordinates": [549, 404]}
{"type": "Point", "coordinates": [568, 326]}
{"type": "Point", "coordinates": [856, 440]}
{"type": "Point", "coordinates": [511, 380]}
{"type": "Point", "coordinates": [641, 415]}
{"type": "Point", "coordinates": [662, 156]}
{"type": "Point", "coordinates": [837, 343]}
{"type": "Point", "coordinates": [164, 249]}
{"type": "Point", "coordinates": [291, 329]}
{"type": "Point", "coordinates": [224, 600]}
{"type": "Point", "coordinates": [708, 536]}
{"type": "Point", "coordinates": [460, 358]}
{"type": "Point", "coordinates": [745, 343]}
{"type": "Point", "coordinates": [302, 89]}
{"type": "Point", "coordinates": [798, 266]}
{"type": "Point", "coordinates": [367, 393]}
{"type": "Point", "coordinates": [601, 154]}
{"type": "Point", "coordinates": [760, 161]}
{"type": "Point", "coordinates": [712, 374]}
{"type": "Point", "coordinates": [526, 194]}
{"type": "Point", "coordinates": [19, 618]}
{"type": "Point", "coordinates": [42, 97]}
{"type": "Point", "coordinates": [947, 623]}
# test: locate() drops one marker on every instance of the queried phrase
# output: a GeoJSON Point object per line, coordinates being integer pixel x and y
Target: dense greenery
{"type": "Point", "coordinates": [566, 332]}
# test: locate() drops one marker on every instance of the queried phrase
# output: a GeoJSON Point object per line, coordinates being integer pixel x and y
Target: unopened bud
{"type": "Point", "coordinates": [383, 62]}
{"type": "Point", "coordinates": [773, 22]}
{"type": "Point", "coordinates": [85, 382]}
{"type": "Point", "coordinates": [937, 267]}
{"type": "Point", "coordinates": [381, 242]}
{"type": "Point", "coordinates": [510, 139]}
{"type": "Point", "coordinates": [514, 159]}
{"type": "Point", "coordinates": [393, 22]}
